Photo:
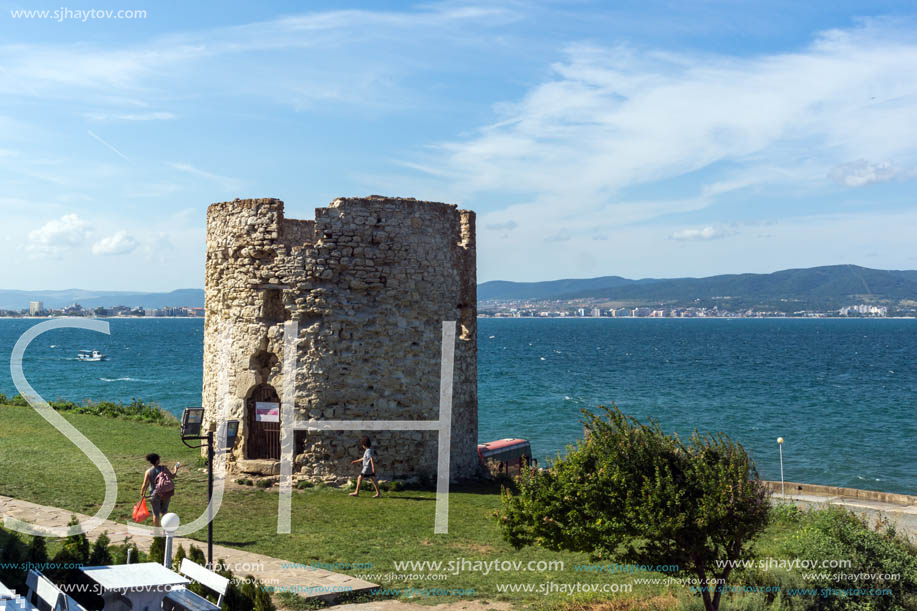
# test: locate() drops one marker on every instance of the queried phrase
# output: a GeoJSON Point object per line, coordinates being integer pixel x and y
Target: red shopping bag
{"type": "Point", "coordinates": [140, 511]}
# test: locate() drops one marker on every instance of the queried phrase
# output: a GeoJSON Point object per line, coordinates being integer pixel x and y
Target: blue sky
{"type": "Point", "coordinates": [592, 138]}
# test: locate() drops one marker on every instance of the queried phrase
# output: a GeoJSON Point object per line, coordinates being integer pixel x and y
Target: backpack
{"type": "Point", "coordinates": [164, 487]}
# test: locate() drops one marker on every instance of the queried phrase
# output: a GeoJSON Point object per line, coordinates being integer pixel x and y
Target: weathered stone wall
{"type": "Point", "coordinates": [369, 282]}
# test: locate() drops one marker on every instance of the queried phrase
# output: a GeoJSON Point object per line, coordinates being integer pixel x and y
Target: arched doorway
{"type": "Point", "coordinates": [262, 419]}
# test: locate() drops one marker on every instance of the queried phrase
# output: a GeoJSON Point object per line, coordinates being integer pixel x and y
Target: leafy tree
{"type": "Point", "coordinates": [632, 493]}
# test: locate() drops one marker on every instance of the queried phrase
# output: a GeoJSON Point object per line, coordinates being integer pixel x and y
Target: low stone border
{"type": "Point", "coordinates": [851, 493]}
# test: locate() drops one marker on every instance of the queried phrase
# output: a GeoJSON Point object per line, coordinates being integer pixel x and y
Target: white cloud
{"type": "Point", "coordinates": [612, 118]}
{"type": "Point", "coordinates": [563, 235]}
{"type": "Point", "coordinates": [641, 250]}
{"type": "Point", "coordinates": [319, 57]}
{"type": "Point", "coordinates": [106, 144]}
{"type": "Point", "coordinates": [860, 173]}
{"type": "Point", "coordinates": [58, 236]}
{"type": "Point", "coordinates": [505, 226]}
{"type": "Point", "coordinates": [147, 116]}
{"type": "Point", "coordinates": [143, 116]}
{"type": "Point", "coordinates": [118, 244]}
{"type": "Point", "coordinates": [705, 233]}
{"type": "Point", "coordinates": [226, 181]}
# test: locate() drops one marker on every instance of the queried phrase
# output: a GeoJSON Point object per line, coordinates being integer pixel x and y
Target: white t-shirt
{"type": "Point", "coordinates": [367, 455]}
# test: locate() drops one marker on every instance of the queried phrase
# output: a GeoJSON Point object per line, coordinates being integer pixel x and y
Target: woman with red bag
{"type": "Point", "coordinates": [159, 479]}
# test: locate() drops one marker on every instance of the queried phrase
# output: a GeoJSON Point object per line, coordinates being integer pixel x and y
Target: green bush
{"type": "Point", "coordinates": [135, 410]}
{"type": "Point", "coordinates": [119, 553]}
{"type": "Point", "coordinates": [38, 551]}
{"type": "Point", "coordinates": [100, 554]}
{"type": "Point", "coordinates": [196, 555]}
{"type": "Point", "coordinates": [157, 549]}
{"type": "Point", "coordinates": [303, 484]}
{"type": "Point", "coordinates": [392, 486]}
{"type": "Point", "coordinates": [630, 492]}
{"type": "Point", "coordinates": [12, 554]}
{"type": "Point", "coordinates": [837, 534]}
{"type": "Point", "coordinates": [244, 481]}
{"type": "Point", "coordinates": [249, 596]}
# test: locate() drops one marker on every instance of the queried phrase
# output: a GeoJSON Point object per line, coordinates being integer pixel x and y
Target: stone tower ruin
{"type": "Point", "coordinates": [369, 282]}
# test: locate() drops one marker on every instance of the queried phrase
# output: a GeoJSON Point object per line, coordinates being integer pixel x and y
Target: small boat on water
{"type": "Point", "coordinates": [90, 356]}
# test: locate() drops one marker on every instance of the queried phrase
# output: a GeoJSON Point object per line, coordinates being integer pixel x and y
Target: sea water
{"type": "Point", "coordinates": [842, 393]}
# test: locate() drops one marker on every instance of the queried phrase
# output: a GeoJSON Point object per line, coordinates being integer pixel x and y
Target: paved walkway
{"type": "Point", "coordinates": [307, 582]}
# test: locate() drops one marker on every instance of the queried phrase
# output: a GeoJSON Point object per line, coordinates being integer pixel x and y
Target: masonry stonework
{"type": "Point", "coordinates": [369, 282]}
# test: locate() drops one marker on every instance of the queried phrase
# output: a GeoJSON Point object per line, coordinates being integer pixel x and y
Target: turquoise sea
{"type": "Point", "coordinates": [843, 393]}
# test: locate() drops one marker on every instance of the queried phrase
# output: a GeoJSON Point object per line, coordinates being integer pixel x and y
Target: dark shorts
{"type": "Point", "coordinates": [159, 506]}
{"type": "Point", "coordinates": [373, 474]}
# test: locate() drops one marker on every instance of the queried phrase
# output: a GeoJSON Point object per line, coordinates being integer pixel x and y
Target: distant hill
{"type": "Point", "coordinates": [829, 286]}
{"type": "Point", "coordinates": [823, 286]}
{"type": "Point", "coordinates": [19, 300]}
{"type": "Point", "coordinates": [502, 289]}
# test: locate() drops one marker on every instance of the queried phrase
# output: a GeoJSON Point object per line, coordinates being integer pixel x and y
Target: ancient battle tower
{"type": "Point", "coordinates": [369, 283]}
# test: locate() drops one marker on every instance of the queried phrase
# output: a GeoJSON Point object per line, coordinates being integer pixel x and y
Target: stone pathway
{"type": "Point", "coordinates": [307, 582]}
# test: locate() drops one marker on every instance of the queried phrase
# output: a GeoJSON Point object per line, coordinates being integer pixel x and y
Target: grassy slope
{"type": "Point", "coordinates": [328, 525]}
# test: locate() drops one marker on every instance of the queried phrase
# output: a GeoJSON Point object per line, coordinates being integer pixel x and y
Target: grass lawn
{"type": "Point", "coordinates": [38, 464]}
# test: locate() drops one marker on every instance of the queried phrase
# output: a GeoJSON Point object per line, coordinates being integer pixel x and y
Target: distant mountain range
{"type": "Point", "coordinates": [827, 286]}
{"type": "Point", "coordinates": [19, 300]}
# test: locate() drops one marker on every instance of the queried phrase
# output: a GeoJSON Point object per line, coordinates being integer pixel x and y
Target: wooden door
{"type": "Point", "coordinates": [263, 422]}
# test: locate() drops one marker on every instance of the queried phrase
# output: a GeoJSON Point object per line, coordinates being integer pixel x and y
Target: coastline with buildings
{"type": "Point", "coordinates": [37, 309]}
{"type": "Point", "coordinates": [497, 310]}
{"type": "Point", "coordinates": [568, 310]}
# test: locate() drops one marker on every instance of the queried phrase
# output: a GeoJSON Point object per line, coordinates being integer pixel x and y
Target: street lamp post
{"type": "Point", "coordinates": [780, 445]}
{"type": "Point", "coordinates": [170, 523]}
{"type": "Point", "coordinates": [191, 422]}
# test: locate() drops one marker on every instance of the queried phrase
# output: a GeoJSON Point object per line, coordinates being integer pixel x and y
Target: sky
{"type": "Point", "coordinates": [639, 139]}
